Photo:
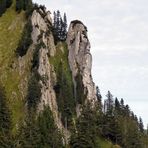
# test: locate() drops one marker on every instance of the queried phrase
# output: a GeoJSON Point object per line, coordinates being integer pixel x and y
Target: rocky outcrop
{"type": "Point", "coordinates": [42, 29]}
{"type": "Point", "coordinates": [80, 59]}
{"type": "Point", "coordinates": [42, 36]}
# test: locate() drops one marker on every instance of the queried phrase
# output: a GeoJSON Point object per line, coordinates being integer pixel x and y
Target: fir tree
{"type": "Point", "coordinates": [98, 94]}
{"type": "Point", "coordinates": [49, 133]}
{"type": "Point", "coordinates": [64, 28]}
{"type": "Point", "coordinates": [34, 92]}
{"type": "Point", "coordinates": [29, 134]}
{"type": "Point", "coordinates": [108, 104]}
{"type": "Point", "coordinates": [141, 126]}
{"type": "Point", "coordinates": [19, 5]}
{"type": "Point", "coordinates": [60, 27]}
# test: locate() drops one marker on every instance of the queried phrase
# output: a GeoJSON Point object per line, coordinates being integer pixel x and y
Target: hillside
{"type": "Point", "coordinates": [47, 94]}
{"type": "Point", "coordinates": [11, 28]}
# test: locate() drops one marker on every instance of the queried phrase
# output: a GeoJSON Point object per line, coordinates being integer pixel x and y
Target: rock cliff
{"type": "Point", "coordinates": [42, 36]}
{"type": "Point", "coordinates": [80, 58]}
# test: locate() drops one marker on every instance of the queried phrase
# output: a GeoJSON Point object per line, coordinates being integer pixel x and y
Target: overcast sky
{"type": "Point", "coordinates": [118, 31]}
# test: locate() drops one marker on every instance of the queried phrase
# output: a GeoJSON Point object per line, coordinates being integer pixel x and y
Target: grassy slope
{"type": "Point", "coordinates": [61, 55]}
{"type": "Point", "coordinates": [11, 27]}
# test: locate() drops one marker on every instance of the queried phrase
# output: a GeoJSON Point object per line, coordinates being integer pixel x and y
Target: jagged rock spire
{"type": "Point", "coordinates": [80, 58]}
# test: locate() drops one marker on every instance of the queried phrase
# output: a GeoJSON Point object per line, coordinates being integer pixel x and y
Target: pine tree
{"type": "Point", "coordinates": [49, 134]}
{"type": "Point", "coordinates": [59, 23]}
{"type": "Point", "coordinates": [98, 94]}
{"type": "Point", "coordinates": [64, 27]}
{"type": "Point", "coordinates": [5, 121]}
{"type": "Point", "coordinates": [55, 19]}
{"type": "Point", "coordinates": [141, 126]}
{"type": "Point", "coordinates": [108, 104]}
{"type": "Point", "coordinates": [34, 92]}
{"type": "Point", "coordinates": [19, 5]}
{"type": "Point", "coordinates": [29, 134]}
{"type": "Point", "coordinates": [26, 39]}
{"type": "Point", "coordinates": [122, 103]}
{"type": "Point", "coordinates": [23, 5]}
{"type": "Point", "coordinates": [60, 27]}
{"type": "Point", "coordinates": [117, 104]}
{"type": "Point", "coordinates": [86, 129]}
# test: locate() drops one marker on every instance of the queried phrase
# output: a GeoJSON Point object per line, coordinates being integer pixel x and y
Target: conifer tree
{"type": "Point", "coordinates": [29, 134]}
{"type": "Point", "coordinates": [19, 5]}
{"type": "Point", "coordinates": [108, 104]}
{"type": "Point", "coordinates": [117, 104]}
{"type": "Point", "coordinates": [34, 92]}
{"type": "Point", "coordinates": [98, 94]}
{"type": "Point", "coordinates": [60, 26]}
{"type": "Point", "coordinates": [23, 5]}
{"type": "Point", "coordinates": [141, 126]}
{"type": "Point", "coordinates": [64, 27]}
{"type": "Point", "coordinates": [86, 129]}
{"type": "Point", "coordinates": [49, 133]}
{"type": "Point", "coordinates": [122, 102]}
{"type": "Point", "coordinates": [59, 23]}
{"type": "Point", "coordinates": [5, 121]}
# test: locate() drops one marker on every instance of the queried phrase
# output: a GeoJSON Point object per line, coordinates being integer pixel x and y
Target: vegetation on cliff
{"type": "Point", "coordinates": [64, 87]}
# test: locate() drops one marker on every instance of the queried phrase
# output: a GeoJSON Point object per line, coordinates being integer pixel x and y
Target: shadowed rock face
{"type": "Point", "coordinates": [80, 59]}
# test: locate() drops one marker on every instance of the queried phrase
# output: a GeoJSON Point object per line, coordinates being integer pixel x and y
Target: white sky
{"type": "Point", "coordinates": [118, 31]}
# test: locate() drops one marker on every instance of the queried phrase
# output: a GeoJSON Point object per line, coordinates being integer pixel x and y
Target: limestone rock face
{"type": "Point", "coordinates": [80, 59]}
{"type": "Point", "coordinates": [42, 36]}
{"type": "Point", "coordinates": [42, 28]}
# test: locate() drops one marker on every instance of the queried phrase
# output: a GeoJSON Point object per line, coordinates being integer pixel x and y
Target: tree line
{"type": "Point", "coordinates": [112, 120]}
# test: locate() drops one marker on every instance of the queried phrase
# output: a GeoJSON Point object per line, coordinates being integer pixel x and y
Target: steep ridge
{"type": "Point", "coordinates": [80, 62]}
{"type": "Point", "coordinates": [42, 36]}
